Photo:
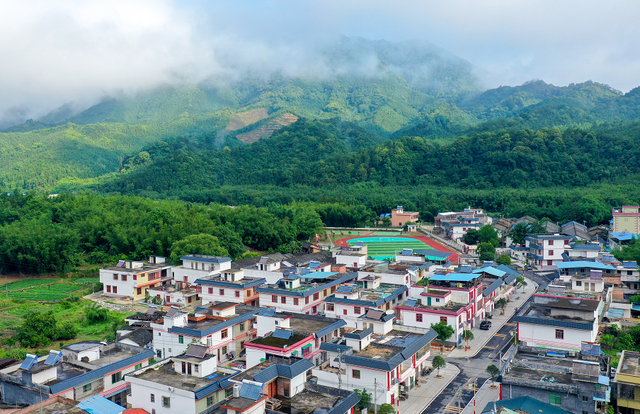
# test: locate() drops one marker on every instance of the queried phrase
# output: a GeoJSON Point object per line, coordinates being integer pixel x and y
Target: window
{"type": "Point", "coordinates": [629, 272]}
{"type": "Point", "coordinates": [209, 400]}
{"type": "Point", "coordinates": [221, 292]}
{"type": "Point", "coordinates": [181, 339]}
{"type": "Point", "coordinates": [228, 392]}
{"type": "Point", "coordinates": [159, 353]}
{"type": "Point", "coordinates": [185, 278]}
{"type": "Point", "coordinates": [344, 311]}
{"type": "Point", "coordinates": [124, 278]}
{"type": "Point", "coordinates": [418, 317]}
{"type": "Point", "coordinates": [555, 399]}
{"type": "Point", "coordinates": [585, 398]}
{"type": "Point", "coordinates": [295, 301]}
{"type": "Point", "coordinates": [306, 300]}
{"type": "Point", "coordinates": [274, 299]}
{"type": "Point", "coordinates": [330, 307]}
{"type": "Point", "coordinates": [166, 401]}
{"type": "Point", "coordinates": [139, 291]}
{"type": "Point", "coordinates": [283, 299]}
{"type": "Point", "coordinates": [237, 293]}
{"type": "Point", "coordinates": [108, 289]}
{"type": "Point", "coordinates": [86, 388]}
{"type": "Point", "coordinates": [550, 242]}
{"type": "Point", "coordinates": [224, 333]}
{"type": "Point", "coordinates": [115, 276]}
{"type": "Point", "coordinates": [355, 373]}
{"type": "Point", "coordinates": [115, 289]}
{"type": "Point", "coordinates": [443, 319]}
{"type": "Point", "coordinates": [316, 296]}
{"type": "Point", "coordinates": [153, 397]}
{"type": "Point", "coordinates": [578, 282]}
{"type": "Point", "coordinates": [195, 367]}
{"type": "Point", "coordinates": [356, 309]}
{"type": "Point", "coordinates": [116, 377]}
{"type": "Point", "coordinates": [559, 333]}
{"type": "Point", "coordinates": [135, 277]}
{"type": "Point", "coordinates": [437, 299]}
{"type": "Point", "coordinates": [550, 253]}
{"type": "Point", "coordinates": [242, 327]}
{"type": "Point", "coordinates": [138, 366]}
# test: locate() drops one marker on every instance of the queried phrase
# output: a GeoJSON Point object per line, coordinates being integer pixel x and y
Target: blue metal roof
{"type": "Point", "coordinates": [490, 270]}
{"type": "Point", "coordinates": [432, 253]}
{"type": "Point", "coordinates": [209, 259]}
{"type": "Point", "coordinates": [492, 287]}
{"type": "Point", "coordinates": [455, 277]}
{"type": "Point", "coordinates": [282, 333]}
{"type": "Point", "coordinates": [101, 372]}
{"type": "Point", "coordinates": [582, 263]}
{"type": "Point", "coordinates": [346, 289]}
{"type": "Point", "coordinates": [623, 236]}
{"type": "Point", "coordinates": [325, 331]}
{"type": "Point", "coordinates": [359, 335]}
{"type": "Point", "coordinates": [215, 328]}
{"type": "Point", "coordinates": [329, 347]}
{"type": "Point", "coordinates": [508, 270]}
{"type": "Point", "coordinates": [411, 302]}
{"type": "Point", "coordinates": [510, 278]}
{"type": "Point", "coordinates": [209, 389]}
{"type": "Point", "coordinates": [251, 391]}
{"type": "Point", "coordinates": [100, 405]}
{"type": "Point", "coordinates": [629, 265]}
{"type": "Point", "coordinates": [283, 370]}
{"type": "Point", "coordinates": [319, 275]}
{"type": "Point", "coordinates": [386, 299]}
{"type": "Point", "coordinates": [267, 312]}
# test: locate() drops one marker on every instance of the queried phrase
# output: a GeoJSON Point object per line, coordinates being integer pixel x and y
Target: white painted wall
{"type": "Point", "coordinates": [539, 335]}
{"type": "Point", "coordinates": [141, 390]}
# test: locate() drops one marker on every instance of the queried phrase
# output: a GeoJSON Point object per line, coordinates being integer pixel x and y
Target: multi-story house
{"type": "Point", "coordinates": [230, 286]}
{"type": "Point", "coordinates": [626, 219]}
{"type": "Point", "coordinates": [397, 273]}
{"type": "Point", "coordinates": [399, 217]}
{"type": "Point", "coordinates": [196, 266]}
{"type": "Point", "coordinates": [78, 372]}
{"type": "Point", "coordinates": [189, 383]}
{"type": "Point", "coordinates": [627, 383]}
{"type": "Point", "coordinates": [545, 250]}
{"type": "Point", "coordinates": [303, 293]}
{"type": "Point", "coordinates": [384, 363]}
{"type": "Point", "coordinates": [577, 381]}
{"type": "Point", "coordinates": [132, 279]}
{"type": "Point", "coordinates": [223, 327]}
{"type": "Point", "coordinates": [587, 251]}
{"type": "Point", "coordinates": [291, 334]}
{"type": "Point", "coordinates": [455, 225]}
{"type": "Point", "coordinates": [559, 321]}
{"type": "Point", "coordinates": [351, 302]}
{"type": "Point", "coordinates": [174, 296]}
{"type": "Point", "coordinates": [582, 268]}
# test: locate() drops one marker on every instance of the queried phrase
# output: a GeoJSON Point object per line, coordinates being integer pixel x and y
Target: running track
{"type": "Point", "coordinates": [454, 258]}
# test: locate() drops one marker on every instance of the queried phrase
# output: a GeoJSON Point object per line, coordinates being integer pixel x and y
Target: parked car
{"type": "Point", "coordinates": [485, 325]}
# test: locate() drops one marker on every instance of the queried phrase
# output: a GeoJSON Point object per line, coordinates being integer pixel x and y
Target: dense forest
{"type": "Point", "coordinates": [41, 234]}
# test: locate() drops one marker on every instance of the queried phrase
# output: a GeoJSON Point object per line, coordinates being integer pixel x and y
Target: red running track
{"type": "Point", "coordinates": [454, 258]}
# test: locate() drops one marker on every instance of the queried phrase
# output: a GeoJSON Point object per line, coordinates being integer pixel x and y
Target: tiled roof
{"type": "Point", "coordinates": [336, 325]}
{"type": "Point", "coordinates": [100, 372]}
{"type": "Point", "coordinates": [215, 328]}
{"type": "Point", "coordinates": [492, 287]}
{"type": "Point", "coordinates": [311, 291]}
{"type": "Point", "coordinates": [359, 335]}
{"type": "Point", "coordinates": [283, 370]}
{"type": "Point", "coordinates": [213, 387]}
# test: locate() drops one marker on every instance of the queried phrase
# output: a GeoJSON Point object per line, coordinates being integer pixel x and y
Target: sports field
{"type": "Point", "coordinates": [383, 247]}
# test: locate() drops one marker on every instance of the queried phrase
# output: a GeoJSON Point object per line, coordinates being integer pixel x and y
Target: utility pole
{"type": "Point", "coordinates": [375, 396]}
{"type": "Point", "coordinates": [340, 369]}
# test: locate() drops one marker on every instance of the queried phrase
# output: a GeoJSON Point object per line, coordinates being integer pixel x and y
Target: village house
{"type": "Point", "coordinates": [545, 250]}
{"type": "Point", "coordinates": [188, 383]}
{"type": "Point", "coordinates": [223, 327]}
{"type": "Point", "coordinates": [132, 279]}
{"type": "Point", "coordinates": [626, 219]}
{"type": "Point", "coordinates": [304, 293]}
{"type": "Point", "coordinates": [173, 296]}
{"type": "Point", "coordinates": [300, 334]}
{"type": "Point", "coordinates": [558, 321]}
{"type": "Point", "coordinates": [230, 286]}
{"type": "Point", "coordinates": [79, 371]}
{"type": "Point", "coordinates": [350, 302]}
{"type": "Point", "coordinates": [577, 381]}
{"type": "Point", "coordinates": [586, 251]}
{"type": "Point", "coordinates": [454, 225]}
{"type": "Point", "coordinates": [399, 217]}
{"type": "Point", "coordinates": [627, 382]}
{"type": "Point", "coordinates": [390, 363]}
{"type": "Point", "coordinates": [197, 266]}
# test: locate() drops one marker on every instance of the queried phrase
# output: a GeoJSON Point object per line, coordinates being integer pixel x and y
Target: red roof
{"type": "Point", "coordinates": [135, 411]}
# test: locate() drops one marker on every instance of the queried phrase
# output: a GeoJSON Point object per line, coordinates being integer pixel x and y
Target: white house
{"type": "Point", "coordinates": [132, 279]}
{"type": "Point", "coordinates": [545, 250]}
{"type": "Point", "coordinates": [559, 322]}
{"type": "Point", "coordinates": [196, 266]}
{"type": "Point", "coordinates": [230, 286]}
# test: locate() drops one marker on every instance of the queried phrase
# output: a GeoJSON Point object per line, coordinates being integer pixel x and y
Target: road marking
{"type": "Point", "coordinates": [511, 324]}
{"type": "Point", "coordinates": [453, 408]}
{"type": "Point", "coordinates": [501, 335]}
{"type": "Point", "coordinates": [490, 347]}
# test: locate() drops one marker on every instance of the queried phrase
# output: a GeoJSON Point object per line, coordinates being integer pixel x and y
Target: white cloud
{"type": "Point", "coordinates": [72, 50]}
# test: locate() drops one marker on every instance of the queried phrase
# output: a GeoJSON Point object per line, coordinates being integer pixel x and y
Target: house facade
{"type": "Point", "coordinates": [546, 250]}
{"type": "Point", "coordinates": [132, 279]}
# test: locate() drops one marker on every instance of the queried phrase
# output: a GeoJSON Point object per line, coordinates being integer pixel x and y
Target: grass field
{"type": "Point", "coordinates": [26, 284]}
{"type": "Point", "coordinates": [35, 289]}
{"type": "Point", "coordinates": [383, 247]}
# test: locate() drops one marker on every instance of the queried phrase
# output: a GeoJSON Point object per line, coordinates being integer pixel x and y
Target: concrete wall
{"type": "Point", "coordinates": [571, 402]}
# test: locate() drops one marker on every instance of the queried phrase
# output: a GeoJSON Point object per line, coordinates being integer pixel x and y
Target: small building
{"type": "Point", "coordinates": [196, 266]}
{"type": "Point", "coordinates": [617, 240]}
{"type": "Point", "coordinates": [626, 219]}
{"type": "Point", "coordinates": [627, 382]}
{"type": "Point", "coordinates": [399, 217]}
{"type": "Point", "coordinates": [230, 286]}
{"type": "Point", "coordinates": [559, 322]}
{"type": "Point", "coordinates": [132, 279]}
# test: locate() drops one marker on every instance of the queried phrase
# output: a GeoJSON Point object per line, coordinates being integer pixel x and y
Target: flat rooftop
{"type": "Point", "coordinates": [396, 338]}
{"type": "Point", "coordinates": [309, 324]}
{"type": "Point", "coordinates": [630, 364]}
{"type": "Point", "coordinates": [279, 342]}
{"type": "Point", "coordinates": [307, 402]}
{"type": "Point", "coordinates": [379, 351]}
{"type": "Point", "coordinates": [166, 375]}
{"type": "Point", "coordinates": [544, 312]}
{"type": "Point", "coordinates": [566, 303]}
{"type": "Point", "coordinates": [540, 375]}
{"type": "Point", "coordinates": [208, 323]}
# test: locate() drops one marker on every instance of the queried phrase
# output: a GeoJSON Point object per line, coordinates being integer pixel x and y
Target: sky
{"type": "Point", "coordinates": [75, 52]}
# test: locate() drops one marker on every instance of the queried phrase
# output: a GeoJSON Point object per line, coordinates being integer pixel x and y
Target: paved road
{"type": "Point", "coordinates": [471, 369]}
{"type": "Point", "coordinates": [541, 277]}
